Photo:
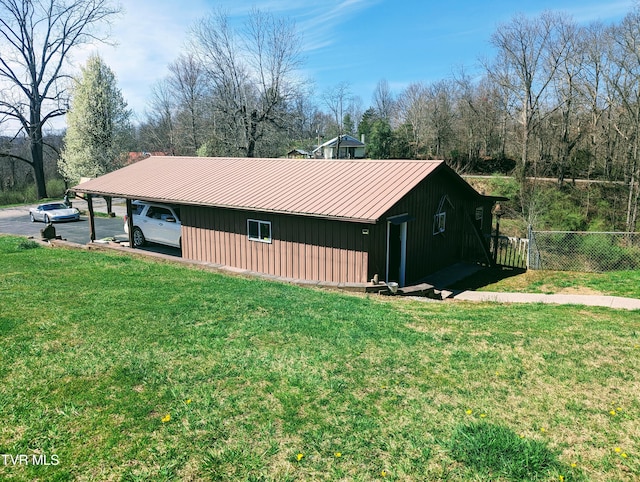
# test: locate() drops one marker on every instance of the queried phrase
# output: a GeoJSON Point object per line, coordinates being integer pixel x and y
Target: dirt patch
{"type": "Point", "coordinates": [574, 290]}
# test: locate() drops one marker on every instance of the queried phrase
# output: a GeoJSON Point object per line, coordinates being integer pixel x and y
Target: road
{"type": "Point", "coordinates": [568, 180]}
{"type": "Point", "coordinates": [15, 220]}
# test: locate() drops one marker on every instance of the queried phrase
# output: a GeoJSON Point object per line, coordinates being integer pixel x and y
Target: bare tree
{"type": "Point", "coordinates": [252, 73]}
{"type": "Point", "coordinates": [36, 37]}
{"type": "Point", "coordinates": [189, 89]}
{"type": "Point", "coordinates": [160, 126]}
{"type": "Point", "coordinates": [441, 100]}
{"type": "Point", "coordinates": [412, 110]}
{"type": "Point", "coordinates": [526, 64]}
{"type": "Point", "coordinates": [570, 56]}
{"type": "Point", "coordinates": [592, 89]}
{"type": "Point", "coordinates": [337, 100]}
{"type": "Point", "coordinates": [480, 117]}
{"type": "Point", "coordinates": [383, 100]}
{"type": "Point", "coordinates": [624, 77]}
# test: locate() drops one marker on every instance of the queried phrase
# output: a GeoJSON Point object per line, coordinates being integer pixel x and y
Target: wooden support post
{"type": "Point", "coordinates": [497, 212]}
{"type": "Point", "coordinates": [496, 240]}
{"type": "Point", "coordinates": [92, 222]}
{"type": "Point", "coordinates": [130, 222]}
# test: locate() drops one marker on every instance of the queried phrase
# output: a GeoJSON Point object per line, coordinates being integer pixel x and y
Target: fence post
{"type": "Point", "coordinates": [530, 238]}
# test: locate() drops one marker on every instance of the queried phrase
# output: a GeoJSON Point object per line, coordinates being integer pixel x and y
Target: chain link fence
{"type": "Point", "coordinates": [583, 251]}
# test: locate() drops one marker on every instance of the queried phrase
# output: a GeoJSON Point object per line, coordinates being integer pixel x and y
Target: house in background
{"type": "Point", "coordinates": [346, 146]}
{"type": "Point", "coordinates": [341, 221]}
{"type": "Point", "coordinates": [298, 154]}
{"type": "Point", "coordinates": [133, 157]}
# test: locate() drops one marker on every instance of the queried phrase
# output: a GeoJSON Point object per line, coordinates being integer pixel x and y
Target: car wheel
{"type": "Point", "coordinates": [33, 220]}
{"type": "Point", "coordinates": [46, 219]}
{"type": "Point", "coordinates": [138, 237]}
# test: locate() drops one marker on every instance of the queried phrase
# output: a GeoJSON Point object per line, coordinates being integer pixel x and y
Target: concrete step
{"type": "Point", "coordinates": [422, 289]}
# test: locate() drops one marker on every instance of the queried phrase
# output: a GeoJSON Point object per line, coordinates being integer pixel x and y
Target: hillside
{"type": "Point", "coordinates": [126, 369]}
{"type": "Point", "coordinates": [583, 206]}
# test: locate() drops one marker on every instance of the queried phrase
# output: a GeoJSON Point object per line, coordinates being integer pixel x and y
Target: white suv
{"type": "Point", "coordinates": [157, 223]}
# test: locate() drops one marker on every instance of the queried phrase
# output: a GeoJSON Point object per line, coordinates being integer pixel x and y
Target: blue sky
{"type": "Point", "coordinates": [354, 41]}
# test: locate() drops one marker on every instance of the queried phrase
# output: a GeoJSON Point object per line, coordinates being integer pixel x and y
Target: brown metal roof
{"type": "Point", "coordinates": [354, 190]}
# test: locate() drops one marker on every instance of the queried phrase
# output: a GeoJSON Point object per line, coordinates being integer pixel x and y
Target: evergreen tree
{"type": "Point", "coordinates": [348, 125]}
{"type": "Point", "coordinates": [381, 140]}
{"type": "Point", "coordinates": [98, 125]}
{"type": "Point", "coordinates": [366, 123]}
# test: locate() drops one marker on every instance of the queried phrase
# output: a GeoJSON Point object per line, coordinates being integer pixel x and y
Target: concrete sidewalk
{"type": "Point", "coordinates": [616, 302]}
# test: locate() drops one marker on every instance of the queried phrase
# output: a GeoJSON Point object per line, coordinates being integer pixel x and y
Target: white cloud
{"type": "Point", "coordinates": [601, 11]}
{"type": "Point", "coordinates": [152, 33]}
{"type": "Point", "coordinates": [149, 35]}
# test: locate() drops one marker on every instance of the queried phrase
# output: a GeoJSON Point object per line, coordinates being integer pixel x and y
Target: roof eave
{"type": "Point", "coordinates": [222, 206]}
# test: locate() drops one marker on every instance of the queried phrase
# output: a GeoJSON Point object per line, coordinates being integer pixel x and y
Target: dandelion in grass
{"type": "Point", "coordinates": [612, 412]}
{"type": "Point", "coordinates": [561, 478]}
{"type": "Point", "coordinates": [543, 430]}
{"type": "Point", "coordinates": [574, 465]}
{"type": "Point", "coordinates": [483, 415]}
{"type": "Point", "coordinates": [617, 450]}
{"type": "Point", "coordinates": [338, 455]}
{"type": "Point", "coordinates": [469, 412]}
{"type": "Point", "coordinates": [383, 473]}
{"type": "Point", "coordinates": [299, 457]}
{"type": "Point", "coordinates": [166, 418]}
{"type": "Point", "coordinates": [623, 455]}
{"type": "Point", "coordinates": [187, 401]}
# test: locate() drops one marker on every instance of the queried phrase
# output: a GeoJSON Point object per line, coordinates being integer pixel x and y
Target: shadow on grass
{"type": "Point", "coordinates": [486, 277]}
{"type": "Point", "coordinates": [496, 451]}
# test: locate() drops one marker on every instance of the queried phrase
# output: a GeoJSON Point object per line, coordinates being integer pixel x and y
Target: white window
{"type": "Point", "coordinates": [439, 222]}
{"type": "Point", "coordinates": [259, 230]}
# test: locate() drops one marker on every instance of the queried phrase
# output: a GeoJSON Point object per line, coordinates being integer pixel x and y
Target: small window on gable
{"type": "Point", "coordinates": [259, 230]}
{"type": "Point", "coordinates": [440, 217]}
{"type": "Point", "coordinates": [439, 222]}
{"type": "Point", "coordinates": [480, 216]}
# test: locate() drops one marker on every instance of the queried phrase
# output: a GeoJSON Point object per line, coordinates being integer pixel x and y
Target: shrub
{"type": "Point", "coordinates": [55, 190]}
{"type": "Point", "coordinates": [610, 254]}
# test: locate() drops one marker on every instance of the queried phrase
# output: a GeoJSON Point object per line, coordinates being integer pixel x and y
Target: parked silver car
{"type": "Point", "coordinates": [53, 212]}
{"type": "Point", "coordinates": [156, 223]}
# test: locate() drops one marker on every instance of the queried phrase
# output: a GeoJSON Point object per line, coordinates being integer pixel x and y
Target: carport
{"type": "Point", "coordinates": [89, 197]}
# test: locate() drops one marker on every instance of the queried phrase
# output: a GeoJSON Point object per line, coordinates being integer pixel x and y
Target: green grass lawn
{"type": "Point", "coordinates": [128, 369]}
{"type": "Point", "coordinates": [614, 283]}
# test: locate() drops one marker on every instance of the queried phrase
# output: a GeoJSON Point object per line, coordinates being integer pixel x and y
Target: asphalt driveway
{"type": "Point", "coordinates": [15, 220]}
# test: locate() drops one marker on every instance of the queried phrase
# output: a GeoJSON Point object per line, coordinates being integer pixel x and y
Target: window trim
{"type": "Point", "coordinates": [260, 223]}
{"type": "Point", "coordinates": [480, 215]}
{"type": "Point", "coordinates": [439, 222]}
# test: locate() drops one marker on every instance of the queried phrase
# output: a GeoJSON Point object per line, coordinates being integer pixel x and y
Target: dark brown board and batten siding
{"type": "Point", "coordinates": [426, 252]}
{"type": "Point", "coordinates": [301, 247]}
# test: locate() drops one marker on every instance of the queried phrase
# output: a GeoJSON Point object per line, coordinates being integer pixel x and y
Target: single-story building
{"type": "Point", "coordinates": [338, 221]}
{"type": "Point", "coordinates": [342, 147]}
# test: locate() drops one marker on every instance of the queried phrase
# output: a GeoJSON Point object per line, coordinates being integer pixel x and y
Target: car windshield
{"type": "Point", "coordinates": [51, 207]}
{"type": "Point", "coordinates": [137, 208]}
